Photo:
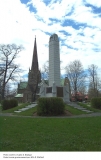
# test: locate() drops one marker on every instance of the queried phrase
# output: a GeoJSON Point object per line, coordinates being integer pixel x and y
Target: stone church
{"type": "Point", "coordinates": [27, 90]}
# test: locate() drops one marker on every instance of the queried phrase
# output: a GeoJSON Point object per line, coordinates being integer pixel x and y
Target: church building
{"type": "Point", "coordinates": [27, 90]}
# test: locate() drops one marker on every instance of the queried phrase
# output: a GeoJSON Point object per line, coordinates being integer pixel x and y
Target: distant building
{"type": "Point", "coordinates": [79, 97]}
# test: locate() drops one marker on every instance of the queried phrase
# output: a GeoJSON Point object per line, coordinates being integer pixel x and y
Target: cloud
{"type": "Point", "coordinates": [96, 3]}
{"type": "Point", "coordinates": [77, 23]}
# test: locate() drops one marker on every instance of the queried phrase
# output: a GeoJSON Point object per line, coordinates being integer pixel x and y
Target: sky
{"type": "Point", "coordinates": [76, 22]}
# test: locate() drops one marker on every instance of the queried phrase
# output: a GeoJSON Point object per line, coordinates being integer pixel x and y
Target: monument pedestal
{"type": "Point", "coordinates": [55, 91]}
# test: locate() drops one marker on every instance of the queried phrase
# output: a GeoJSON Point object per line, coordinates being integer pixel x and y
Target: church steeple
{"type": "Point", "coordinates": [34, 77]}
{"type": "Point", "coordinates": [35, 57]}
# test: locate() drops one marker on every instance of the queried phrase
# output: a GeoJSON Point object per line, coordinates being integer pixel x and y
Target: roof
{"type": "Point", "coordinates": [46, 82]}
{"type": "Point", "coordinates": [43, 82]}
{"type": "Point", "coordinates": [19, 95]}
{"type": "Point", "coordinates": [23, 85]}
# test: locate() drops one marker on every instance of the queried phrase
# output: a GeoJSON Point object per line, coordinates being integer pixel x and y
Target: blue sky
{"type": "Point", "coordinates": [77, 23]}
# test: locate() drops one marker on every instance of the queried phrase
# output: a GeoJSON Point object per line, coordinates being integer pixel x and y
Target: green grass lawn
{"type": "Point", "coordinates": [0, 108]}
{"type": "Point", "coordinates": [30, 112]}
{"type": "Point", "coordinates": [50, 134]}
{"type": "Point", "coordinates": [74, 111]}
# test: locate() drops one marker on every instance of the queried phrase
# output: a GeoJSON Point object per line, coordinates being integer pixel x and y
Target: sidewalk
{"type": "Point", "coordinates": [97, 114]}
{"type": "Point", "coordinates": [26, 108]}
{"type": "Point", "coordinates": [73, 104]}
{"type": "Point", "coordinates": [75, 116]}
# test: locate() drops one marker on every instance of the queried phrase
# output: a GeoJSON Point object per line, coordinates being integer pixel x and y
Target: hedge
{"type": "Point", "coordinates": [96, 102]}
{"type": "Point", "coordinates": [50, 106]}
{"type": "Point", "coordinates": [7, 104]}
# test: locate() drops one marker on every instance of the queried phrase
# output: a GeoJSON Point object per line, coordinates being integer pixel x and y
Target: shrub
{"type": "Point", "coordinates": [7, 104]}
{"type": "Point", "coordinates": [50, 106]}
{"type": "Point", "coordinates": [13, 103]}
{"type": "Point", "coordinates": [96, 103]}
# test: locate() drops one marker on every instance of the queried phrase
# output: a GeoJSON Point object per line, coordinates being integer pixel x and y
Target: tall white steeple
{"type": "Point", "coordinates": [54, 60]}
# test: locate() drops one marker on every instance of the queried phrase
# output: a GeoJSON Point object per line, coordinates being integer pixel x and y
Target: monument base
{"type": "Point", "coordinates": [55, 91]}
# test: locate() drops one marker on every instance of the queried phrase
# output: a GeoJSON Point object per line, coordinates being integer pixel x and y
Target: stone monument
{"type": "Point", "coordinates": [54, 60]}
{"type": "Point", "coordinates": [54, 89]}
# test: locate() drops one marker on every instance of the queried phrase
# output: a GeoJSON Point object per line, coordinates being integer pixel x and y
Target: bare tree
{"type": "Point", "coordinates": [10, 91]}
{"type": "Point", "coordinates": [45, 70]}
{"type": "Point", "coordinates": [9, 70]}
{"type": "Point", "coordinates": [76, 76]}
{"type": "Point", "coordinates": [95, 82]}
{"type": "Point", "coordinates": [93, 74]}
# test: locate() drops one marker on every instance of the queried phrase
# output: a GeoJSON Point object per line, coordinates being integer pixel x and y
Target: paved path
{"type": "Point", "coordinates": [76, 116]}
{"type": "Point", "coordinates": [96, 114]}
{"type": "Point", "coordinates": [26, 108]}
{"type": "Point", "coordinates": [75, 105]}
{"type": "Point", "coordinates": [19, 110]}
